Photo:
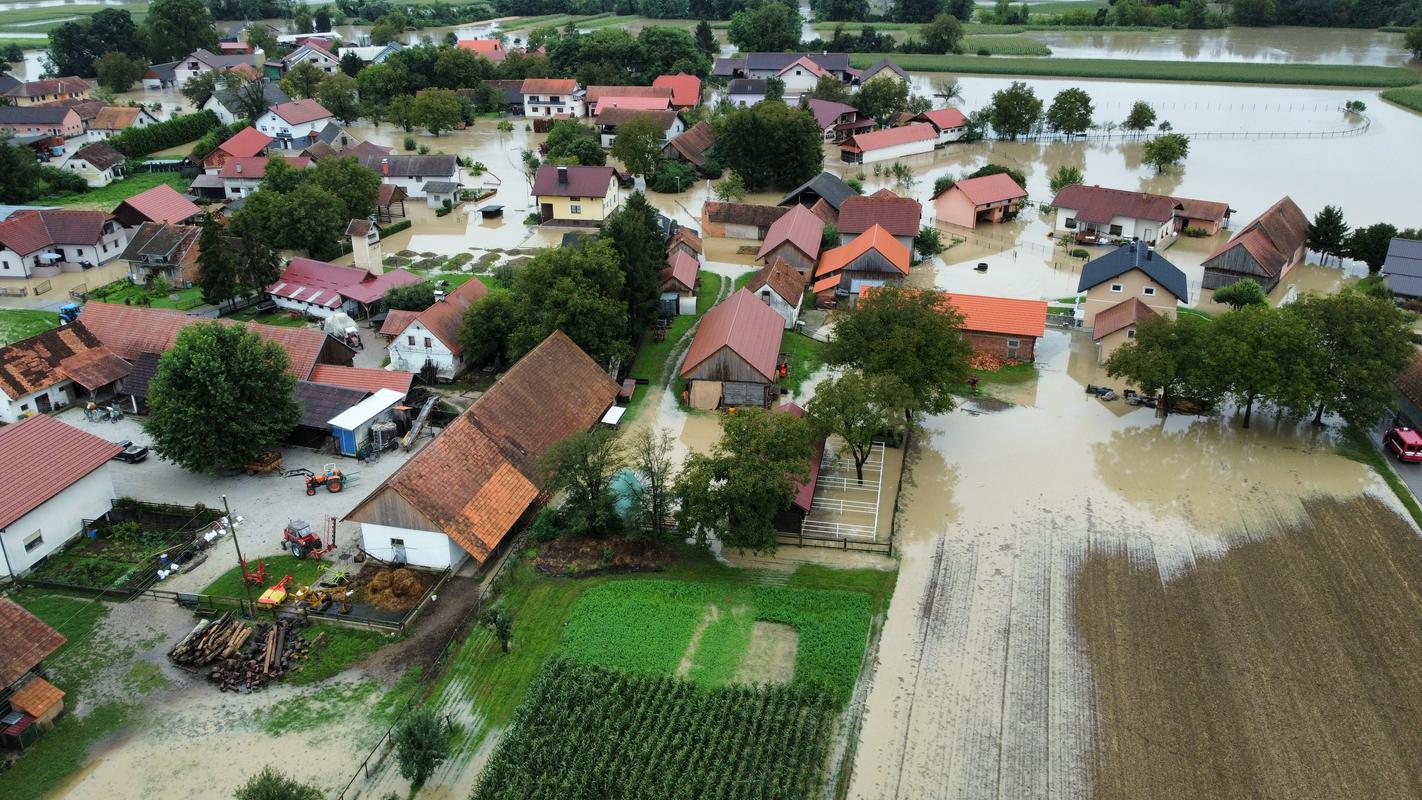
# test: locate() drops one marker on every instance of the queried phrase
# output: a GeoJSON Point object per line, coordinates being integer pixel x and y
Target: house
{"type": "Point", "coordinates": [492, 49]}
{"type": "Point", "coordinates": [161, 76]}
{"type": "Point", "coordinates": [647, 98]}
{"type": "Point", "coordinates": [692, 144]}
{"type": "Point", "coordinates": [1402, 271]}
{"type": "Point", "coordinates": [242, 176]}
{"type": "Point", "coordinates": [950, 124]}
{"type": "Point", "coordinates": [236, 47]}
{"type": "Point", "coordinates": [838, 121]}
{"type": "Point", "coordinates": [900, 216]}
{"type": "Point", "coordinates": [460, 496]}
{"type": "Point", "coordinates": [800, 77]}
{"type": "Point", "coordinates": [162, 203]}
{"type": "Point", "coordinates": [412, 172]}
{"type": "Point", "coordinates": [743, 92]}
{"type": "Point", "coordinates": [202, 60]}
{"type": "Point", "coordinates": [163, 250]}
{"type": "Point", "coordinates": [320, 289]}
{"type": "Point", "coordinates": [782, 287]}
{"type": "Point", "coordinates": [246, 143]}
{"type": "Point", "coordinates": [294, 124]}
{"type": "Point", "coordinates": [88, 110]}
{"type": "Point", "coordinates": [668, 121]}
{"type": "Point", "coordinates": [428, 342]}
{"type": "Point", "coordinates": [575, 196]}
{"type": "Point", "coordinates": [47, 90]}
{"type": "Point", "coordinates": [734, 356]}
{"type": "Point", "coordinates": [334, 140]}
{"type": "Point", "coordinates": [885, 69]}
{"type": "Point", "coordinates": [552, 97]}
{"type": "Point", "coordinates": [766, 65]}
{"type": "Point", "coordinates": [1093, 213]}
{"type": "Point", "coordinates": [99, 163]}
{"type": "Point", "coordinates": [130, 332]}
{"type": "Point", "coordinates": [1206, 217]}
{"type": "Point", "coordinates": [873, 258]}
{"type": "Point", "coordinates": [314, 54]}
{"type": "Point", "coordinates": [1131, 270]}
{"type": "Point", "coordinates": [678, 284]}
{"type": "Point", "coordinates": [738, 220]}
{"type": "Point", "coordinates": [53, 369]}
{"type": "Point", "coordinates": [441, 194]}
{"type": "Point", "coordinates": [1116, 325]}
{"type": "Point", "coordinates": [826, 187]}
{"type": "Point", "coordinates": [686, 89]}
{"type": "Point", "coordinates": [29, 703]}
{"type": "Point", "coordinates": [364, 379]}
{"type": "Point", "coordinates": [1005, 327]}
{"type": "Point", "coordinates": [889, 144]}
{"type": "Point", "coordinates": [990, 198]}
{"type": "Point", "coordinates": [1265, 249]}
{"type": "Point", "coordinates": [45, 243]}
{"type": "Point", "coordinates": [686, 241]}
{"type": "Point", "coordinates": [41, 121]}
{"type": "Point", "coordinates": [511, 90]}
{"type": "Point", "coordinates": [375, 53]}
{"type": "Point", "coordinates": [113, 120]}
{"type": "Point", "coordinates": [227, 103]}
{"type": "Point", "coordinates": [795, 239]}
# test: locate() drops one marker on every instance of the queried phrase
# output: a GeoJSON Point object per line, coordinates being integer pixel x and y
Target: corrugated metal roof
{"type": "Point", "coordinates": [744, 325]}
{"type": "Point", "coordinates": [800, 227]}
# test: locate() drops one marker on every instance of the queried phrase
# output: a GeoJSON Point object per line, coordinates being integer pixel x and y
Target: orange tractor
{"type": "Point", "coordinates": [330, 477]}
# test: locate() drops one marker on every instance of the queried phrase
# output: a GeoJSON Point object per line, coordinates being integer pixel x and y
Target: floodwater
{"type": "Point", "coordinates": [1260, 45]}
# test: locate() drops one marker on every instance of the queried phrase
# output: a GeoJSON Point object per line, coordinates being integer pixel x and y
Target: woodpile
{"type": "Point", "coordinates": [243, 657]}
{"type": "Point", "coordinates": [988, 362]}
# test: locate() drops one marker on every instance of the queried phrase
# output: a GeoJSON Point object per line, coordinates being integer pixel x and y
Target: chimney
{"type": "Point", "coordinates": [1150, 252]}
{"type": "Point", "coordinates": [439, 296]}
{"type": "Point", "coordinates": [239, 168]}
{"type": "Point", "coordinates": [385, 167]}
{"type": "Point", "coordinates": [563, 175]}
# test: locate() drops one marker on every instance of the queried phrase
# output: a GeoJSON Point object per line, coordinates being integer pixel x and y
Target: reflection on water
{"type": "Point", "coordinates": [1271, 45]}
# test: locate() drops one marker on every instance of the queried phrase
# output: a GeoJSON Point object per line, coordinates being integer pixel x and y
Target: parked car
{"type": "Point", "coordinates": [1405, 444]}
{"type": "Point", "coordinates": [131, 453]}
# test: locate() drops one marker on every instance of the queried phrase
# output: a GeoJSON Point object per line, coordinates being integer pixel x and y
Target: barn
{"type": "Point", "coordinates": [1264, 250]}
{"type": "Point", "coordinates": [734, 356]}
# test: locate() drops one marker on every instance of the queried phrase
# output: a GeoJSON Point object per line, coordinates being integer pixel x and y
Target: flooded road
{"type": "Point", "coordinates": [1282, 45]}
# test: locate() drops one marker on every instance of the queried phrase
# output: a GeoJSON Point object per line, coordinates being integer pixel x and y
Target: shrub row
{"type": "Point", "coordinates": [136, 142]}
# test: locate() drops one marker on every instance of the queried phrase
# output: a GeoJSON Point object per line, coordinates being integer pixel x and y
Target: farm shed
{"type": "Point", "coordinates": [795, 239]}
{"type": "Point", "coordinates": [50, 370]}
{"type": "Point", "coordinates": [28, 702]}
{"type": "Point", "coordinates": [825, 186]}
{"type": "Point", "coordinates": [366, 379]}
{"type": "Point", "coordinates": [462, 494]}
{"type": "Point", "coordinates": [738, 220]}
{"type": "Point", "coordinates": [732, 358]}
{"type": "Point", "coordinates": [874, 258]}
{"type": "Point", "coordinates": [1265, 249]}
{"type": "Point", "coordinates": [900, 216]}
{"type": "Point", "coordinates": [319, 403]}
{"type": "Point", "coordinates": [678, 284]}
{"type": "Point", "coordinates": [782, 287]}
{"type": "Point", "coordinates": [889, 144]}
{"type": "Point", "coordinates": [691, 145]}
{"type": "Point", "coordinates": [55, 477]}
{"type": "Point", "coordinates": [351, 428]}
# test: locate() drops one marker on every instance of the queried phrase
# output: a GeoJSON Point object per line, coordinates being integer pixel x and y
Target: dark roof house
{"type": "Point", "coordinates": [693, 143]}
{"type": "Point", "coordinates": [556, 181]}
{"type": "Point", "coordinates": [1264, 250]}
{"type": "Point", "coordinates": [1402, 271]}
{"type": "Point", "coordinates": [897, 215]}
{"type": "Point", "coordinates": [825, 186]}
{"type": "Point", "coordinates": [1136, 255]}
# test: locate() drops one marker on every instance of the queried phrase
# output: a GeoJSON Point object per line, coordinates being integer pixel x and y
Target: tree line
{"type": "Point", "coordinates": [173, 29]}
{"type": "Point", "coordinates": [1330, 235]}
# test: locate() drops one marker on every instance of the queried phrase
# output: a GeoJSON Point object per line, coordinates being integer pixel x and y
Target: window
{"type": "Point", "coordinates": [428, 343]}
{"type": "Point", "coordinates": [1070, 223]}
{"type": "Point", "coordinates": [1130, 333]}
{"type": "Point", "coordinates": [575, 208]}
{"type": "Point", "coordinates": [33, 541]}
{"type": "Point", "coordinates": [1148, 291]}
{"type": "Point", "coordinates": [574, 199]}
{"type": "Point", "coordinates": [397, 542]}
{"type": "Point", "coordinates": [410, 340]}
{"type": "Point", "coordinates": [1115, 230]}
{"type": "Point", "coordinates": [765, 295]}
{"type": "Point", "coordinates": [1012, 347]}
{"type": "Point", "coordinates": [1116, 287]}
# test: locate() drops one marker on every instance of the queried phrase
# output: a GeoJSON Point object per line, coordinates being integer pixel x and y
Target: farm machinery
{"type": "Point", "coordinates": [330, 476]}
{"type": "Point", "coordinates": [298, 539]}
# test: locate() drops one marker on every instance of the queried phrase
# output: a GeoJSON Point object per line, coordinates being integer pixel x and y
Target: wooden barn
{"type": "Point", "coordinates": [1265, 249]}
{"type": "Point", "coordinates": [733, 357]}
{"type": "Point", "coordinates": [795, 239]}
{"type": "Point", "coordinates": [874, 258]}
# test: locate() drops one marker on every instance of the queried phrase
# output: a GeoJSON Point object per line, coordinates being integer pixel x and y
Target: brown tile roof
{"type": "Point", "coordinates": [1122, 315]}
{"type": "Point", "coordinates": [477, 478]}
{"type": "Point", "coordinates": [898, 215]}
{"type": "Point", "coordinates": [397, 320]}
{"type": "Point", "coordinates": [71, 352]}
{"type": "Point", "coordinates": [800, 227]}
{"type": "Point", "coordinates": [116, 118]}
{"type": "Point", "coordinates": [29, 231]}
{"type": "Point", "coordinates": [298, 112]}
{"type": "Point", "coordinates": [944, 118]}
{"type": "Point", "coordinates": [42, 457]}
{"type": "Point", "coordinates": [876, 238]}
{"type": "Point", "coordinates": [1409, 382]}
{"type": "Point", "coordinates": [28, 640]}
{"type": "Point", "coordinates": [549, 86]}
{"type": "Point", "coordinates": [1202, 209]}
{"type": "Point", "coordinates": [1272, 238]}
{"type": "Point", "coordinates": [391, 193]}
{"type": "Point", "coordinates": [40, 88]}
{"type": "Point", "coordinates": [686, 236]}
{"type": "Point", "coordinates": [1100, 204]}
{"type": "Point", "coordinates": [682, 268]}
{"type": "Point", "coordinates": [363, 378]}
{"type": "Point", "coordinates": [686, 89]}
{"type": "Point", "coordinates": [38, 697]}
{"type": "Point", "coordinates": [100, 154]}
{"type": "Point", "coordinates": [693, 143]}
{"type": "Point", "coordinates": [443, 319]}
{"type": "Point", "coordinates": [744, 214]}
{"type": "Point", "coordinates": [745, 326]}
{"type": "Point", "coordinates": [555, 181]}
{"type": "Point", "coordinates": [782, 279]}
{"type": "Point", "coordinates": [826, 212]}
{"type": "Point", "coordinates": [162, 203]}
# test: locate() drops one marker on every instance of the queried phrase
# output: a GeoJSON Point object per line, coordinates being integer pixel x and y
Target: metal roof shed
{"type": "Point", "coordinates": [352, 427]}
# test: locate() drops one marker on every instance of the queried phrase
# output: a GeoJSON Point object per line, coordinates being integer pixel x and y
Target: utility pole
{"type": "Point", "coordinates": [241, 563]}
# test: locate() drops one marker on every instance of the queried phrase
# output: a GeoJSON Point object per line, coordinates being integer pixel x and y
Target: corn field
{"type": "Point", "coordinates": [589, 732]}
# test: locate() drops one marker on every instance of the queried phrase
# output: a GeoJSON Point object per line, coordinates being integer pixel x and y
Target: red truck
{"type": "Point", "coordinates": [1404, 443]}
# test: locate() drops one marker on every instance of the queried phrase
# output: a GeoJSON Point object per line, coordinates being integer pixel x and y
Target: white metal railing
{"type": "Point", "coordinates": [845, 506]}
{"type": "Point", "coordinates": [838, 530]}
{"type": "Point", "coordinates": [848, 484]}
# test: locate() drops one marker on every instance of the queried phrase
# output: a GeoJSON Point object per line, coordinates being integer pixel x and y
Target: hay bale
{"type": "Point", "coordinates": [380, 583]}
{"type": "Point", "coordinates": [404, 583]}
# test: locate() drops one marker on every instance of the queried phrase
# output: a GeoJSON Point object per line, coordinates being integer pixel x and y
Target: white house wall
{"type": "Point", "coordinates": [57, 520]}
{"type": "Point", "coordinates": [422, 548]}
{"type": "Point", "coordinates": [411, 357]}
{"type": "Point", "coordinates": [318, 311]}
{"type": "Point", "coordinates": [898, 151]}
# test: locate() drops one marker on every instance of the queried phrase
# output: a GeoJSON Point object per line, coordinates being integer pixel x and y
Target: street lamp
{"type": "Point", "coordinates": [241, 563]}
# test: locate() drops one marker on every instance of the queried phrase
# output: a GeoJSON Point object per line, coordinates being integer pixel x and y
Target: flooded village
{"type": "Point", "coordinates": [823, 446]}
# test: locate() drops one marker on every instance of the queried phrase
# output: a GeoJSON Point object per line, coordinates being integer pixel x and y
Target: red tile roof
{"type": "Point", "coordinates": [944, 118]}
{"type": "Point", "coordinates": [37, 697]}
{"type": "Point", "coordinates": [687, 237]}
{"type": "Point", "coordinates": [1271, 238]}
{"type": "Point", "coordinates": [549, 86]}
{"type": "Point", "coordinates": [29, 231]}
{"type": "Point", "coordinates": [611, 102]}
{"type": "Point", "coordinates": [1005, 315]}
{"type": "Point", "coordinates": [246, 143]}
{"type": "Point", "coordinates": [47, 359]}
{"type": "Point", "coordinates": [745, 326]}
{"type": "Point", "coordinates": [682, 268]}
{"type": "Point", "coordinates": [40, 88]}
{"type": "Point", "coordinates": [397, 320]}
{"type": "Point", "coordinates": [297, 112]}
{"type": "Point", "coordinates": [1122, 315]}
{"type": "Point", "coordinates": [580, 181]}
{"type": "Point", "coordinates": [806, 64]}
{"type": "Point", "coordinates": [39, 458]}
{"type": "Point", "coordinates": [28, 639]}
{"type": "Point", "coordinates": [989, 189]}
{"type": "Point", "coordinates": [898, 215]}
{"type": "Point", "coordinates": [891, 137]}
{"type": "Point", "coordinates": [876, 238]}
{"type": "Point", "coordinates": [800, 227]}
{"type": "Point", "coordinates": [363, 378]}
{"type": "Point", "coordinates": [256, 167]}
{"type": "Point", "coordinates": [1099, 205]}
{"type": "Point", "coordinates": [162, 203]}
{"type": "Point", "coordinates": [594, 94]}
{"type": "Point", "coordinates": [443, 319]}
{"type": "Point", "coordinates": [328, 285]}
{"type": "Point", "coordinates": [686, 89]}
{"type": "Point", "coordinates": [492, 49]}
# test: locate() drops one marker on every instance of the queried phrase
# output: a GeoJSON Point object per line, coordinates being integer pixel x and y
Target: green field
{"type": "Point", "coordinates": [1122, 69]}
{"type": "Point", "coordinates": [1409, 98]}
{"type": "Point", "coordinates": [22, 323]}
{"type": "Point", "coordinates": [1005, 45]}
{"type": "Point", "coordinates": [125, 293]}
{"type": "Point", "coordinates": [45, 19]}
{"type": "Point", "coordinates": [106, 197]}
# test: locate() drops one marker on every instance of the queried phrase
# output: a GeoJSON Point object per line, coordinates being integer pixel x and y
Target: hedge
{"type": "Point", "coordinates": [136, 142]}
{"type": "Point", "coordinates": [391, 230]}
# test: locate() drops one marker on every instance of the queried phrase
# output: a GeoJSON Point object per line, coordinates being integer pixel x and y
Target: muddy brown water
{"type": "Point", "coordinates": [1258, 45]}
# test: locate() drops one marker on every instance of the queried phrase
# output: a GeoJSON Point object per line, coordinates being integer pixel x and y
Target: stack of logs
{"type": "Point", "coordinates": [271, 650]}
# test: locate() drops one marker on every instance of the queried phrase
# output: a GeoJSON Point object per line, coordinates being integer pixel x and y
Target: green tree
{"type": "Point", "coordinates": [944, 34]}
{"type": "Point", "coordinates": [1369, 245]}
{"type": "Point", "coordinates": [401, 111]}
{"type": "Point", "coordinates": [486, 328]}
{"type": "Point", "coordinates": [1364, 343]}
{"type": "Point", "coordinates": [269, 784]}
{"type": "Point", "coordinates": [1195, 14]}
{"type": "Point", "coordinates": [634, 233]}
{"type": "Point", "coordinates": [117, 72]}
{"type": "Point", "coordinates": [337, 94]}
{"type": "Point", "coordinates": [351, 63]}
{"type": "Point", "coordinates": [638, 144]}
{"type": "Point", "coordinates": [771, 145]}
{"type": "Point", "coordinates": [258, 265]}
{"type": "Point", "coordinates": [774, 90]}
{"type": "Point", "coordinates": [323, 19]}
{"type": "Point", "coordinates": [582, 467]}
{"type": "Point", "coordinates": [1014, 111]}
{"type": "Point", "coordinates": [312, 220]}
{"type": "Point", "coordinates": [1064, 176]}
{"type": "Point", "coordinates": [386, 30]}
{"type": "Point", "coordinates": [706, 39]}
{"type": "Point", "coordinates": [303, 80]}
{"type": "Point", "coordinates": [221, 396]}
{"type": "Point", "coordinates": [851, 407]}
{"type": "Point", "coordinates": [735, 491]}
{"type": "Point", "coordinates": [1070, 112]}
{"type": "Point", "coordinates": [457, 68]}
{"type": "Point", "coordinates": [421, 744]}
{"type": "Point", "coordinates": [773, 27]}
{"type": "Point", "coordinates": [998, 169]}
{"type": "Point", "coordinates": [302, 21]}
{"type": "Point", "coordinates": [650, 457]}
{"type": "Point", "coordinates": [882, 99]}
{"type": "Point", "coordinates": [730, 189]}
{"type": "Point", "coordinates": [570, 142]}
{"type": "Point", "coordinates": [356, 186]}
{"type": "Point", "coordinates": [1254, 13]}
{"type": "Point", "coordinates": [916, 10]}
{"type": "Point", "coordinates": [1166, 150]}
{"type": "Point", "coordinates": [835, 10]}
{"type": "Point", "coordinates": [175, 28]}
{"type": "Point", "coordinates": [830, 88]}
{"type": "Point", "coordinates": [1165, 358]}
{"type": "Point", "coordinates": [19, 172]}
{"type": "Point", "coordinates": [962, 9]}
{"type": "Point", "coordinates": [577, 290]}
{"type": "Point", "coordinates": [411, 297]}
{"type": "Point", "coordinates": [1242, 293]}
{"type": "Point", "coordinates": [1328, 233]}
{"type": "Point", "coordinates": [251, 98]}
{"type": "Point", "coordinates": [1141, 117]}
{"type": "Point", "coordinates": [501, 622]}
{"type": "Point", "coordinates": [201, 86]}
{"type": "Point", "coordinates": [909, 343]}
{"type": "Point", "coordinates": [438, 110]}
{"type": "Point", "coordinates": [1413, 41]}
{"type": "Point", "coordinates": [217, 263]}
{"type": "Point", "coordinates": [1263, 354]}
{"type": "Point", "coordinates": [666, 50]}
{"type": "Point", "coordinates": [928, 242]}
{"type": "Point", "coordinates": [379, 83]}
{"type": "Point", "coordinates": [74, 46]}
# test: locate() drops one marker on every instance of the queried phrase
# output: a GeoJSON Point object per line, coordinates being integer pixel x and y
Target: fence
{"type": "Point", "coordinates": [802, 540]}
{"type": "Point", "coordinates": [6, 291]}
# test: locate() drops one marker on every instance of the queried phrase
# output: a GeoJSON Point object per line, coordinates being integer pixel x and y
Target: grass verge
{"type": "Point", "coordinates": [1009, 375]}
{"type": "Point", "coordinates": [106, 197]}
{"type": "Point", "coordinates": [806, 356]}
{"type": "Point", "coordinates": [303, 572]}
{"type": "Point", "coordinates": [1128, 69]}
{"type": "Point", "coordinates": [1409, 98]}
{"type": "Point", "coordinates": [22, 323]}
{"type": "Point", "coordinates": [1357, 445]}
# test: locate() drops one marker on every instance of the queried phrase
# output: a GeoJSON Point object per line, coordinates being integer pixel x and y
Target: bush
{"type": "Point", "coordinates": [272, 785]}
{"type": "Point", "coordinates": [1196, 233]}
{"type": "Point", "coordinates": [532, 218]}
{"type": "Point", "coordinates": [421, 745]}
{"type": "Point", "coordinates": [424, 149]}
{"type": "Point", "coordinates": [409, 143]}
{"type": "Point", "coordinates": [672, 177]}
{"type": "Point", "coordinates": [60, 182]}
{"type": "Point", "coordinates": [1080, 253]}
{"type": "Point", "coordinates": [547, 526]}
{"type": "Point", "coordinates": [929, 242]}
{"type": "Point", "coordinates": [136, 142]}
{"type": "Point", "coordinates": [390, 230]}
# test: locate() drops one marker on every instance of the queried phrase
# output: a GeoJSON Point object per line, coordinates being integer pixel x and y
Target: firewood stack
{"type": "Point", "coordinates": [210, 641]}
{"type": "Point", "coordinates": [243, 657]}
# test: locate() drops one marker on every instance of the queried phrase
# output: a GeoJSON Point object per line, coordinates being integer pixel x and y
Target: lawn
{"type": "Point", "coordinates": [125, 293]}
{"type": "Point", "coordinates": [652, 356]}
{"type": "Point", "coordinates": [22, 323]}
{"type": "Point", "coordinates": [1195, 312]}
{"type": "Point", "coordinates": [1126, 69]}
{"type": "Point", "coordinates": [1409, 98]}
{"type": "Point", "coordinates": [12, 19]}
{"type": "Point", "coordinates": [303, 572]}
{"type": "Point", "coordinates": [340, 648]}
{"type": "Point", "coordinates": [105, 198]}
{"type": "Point", "coordinates": [279, 318]}
{"type": "Point", "coordinates": [806, 356]}
{"type": "Point", "coordinates": [1007, 376]}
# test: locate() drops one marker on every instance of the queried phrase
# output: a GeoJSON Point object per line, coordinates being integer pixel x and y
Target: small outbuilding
{"type": "Point", "coordinates": [1006, 327]}
{"type": "Point", "coordinates": [733, 358]}
{"type": "Point", "coordinates": [1264, 250]}
{"type": "Point", "coordinates": [678, 284]}
{"type": "Point", "coordinates": [889, 144]}
{"type": "Point", "coordinates": [874, 258]}
{"type": "Point", "coordinates": [782, 287]}
{"type": "Point", "coordinates": [990, 199]}
{"type": "Point", "coordinates": [28, 701]}
{"type": "Point", "coordinates": [351, 428]}
{"type": "Point", "coordinates": [1117, 326]}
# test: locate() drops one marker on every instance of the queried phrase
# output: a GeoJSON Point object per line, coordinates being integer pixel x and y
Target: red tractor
{"type": "Point", "coordinates": [299, 540]}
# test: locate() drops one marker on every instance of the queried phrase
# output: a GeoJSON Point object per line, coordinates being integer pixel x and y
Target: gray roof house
{"type": "Point", "coordinates": [1402, 271]}
{"type": "Point", "coordinates": [1136, 255]}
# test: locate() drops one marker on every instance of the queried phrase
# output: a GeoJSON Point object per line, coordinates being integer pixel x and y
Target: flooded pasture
{"type": "Point", "coordinates": [1277, 45]}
